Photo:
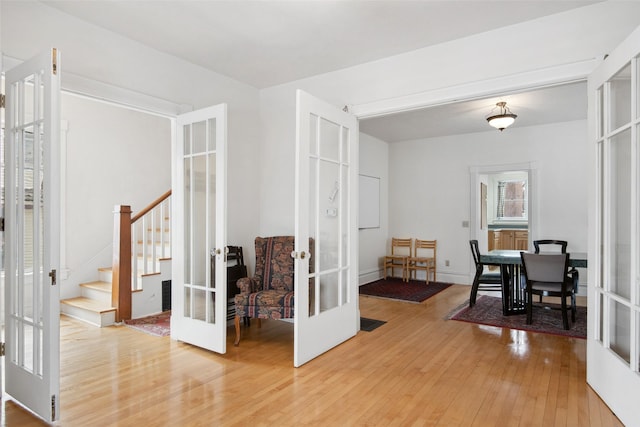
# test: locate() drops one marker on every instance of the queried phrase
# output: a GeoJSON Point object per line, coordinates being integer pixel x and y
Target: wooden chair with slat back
{"type": "Point", "coordinates": [423, 258]}
{"type": "Point", "coordinates": [400, 253]}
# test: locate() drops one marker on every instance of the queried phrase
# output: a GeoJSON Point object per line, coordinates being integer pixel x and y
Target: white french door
{"type": "Point", "coordinates": [613, 346]}
{"type": "Point", "coordinates": [199, 290]}
{"type": "Point", "coordinates": [32, 240]}
{"type": "Point", "coordinates": [326, 288]}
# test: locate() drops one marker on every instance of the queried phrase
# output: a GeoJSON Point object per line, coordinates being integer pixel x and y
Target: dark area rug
{"type": "Point", "coordinates": [395, 289]}
{"type": "Point", "coordinates": [488, 311]}
{"type": "Point", "coordinates": [369, 325]}
{"type": "Point", "coordinates": [158, 325]}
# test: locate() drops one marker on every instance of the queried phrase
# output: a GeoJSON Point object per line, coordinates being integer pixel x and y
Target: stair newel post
{"type": "Point", "coordinates": [121, 268]}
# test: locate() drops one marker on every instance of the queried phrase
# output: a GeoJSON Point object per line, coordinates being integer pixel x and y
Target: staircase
{"type": "Point", "coordinates": [149, 237]}
{"type": "Point", "coordinates": [94, 303]}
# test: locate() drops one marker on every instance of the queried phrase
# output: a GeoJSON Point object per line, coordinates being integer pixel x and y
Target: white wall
{"type": "Point", "coordinates": [261, 181]}
{"type": "Point", "coordinates": [540, 44]}
{"type": "Point", "coordinates": [114, 156]}
{"type": "Point", "coordinates": [88, 51]}
{"type": "Point", "coordinates": [374, 161]}
{"type": "Point", "coordinates": [429, 193]}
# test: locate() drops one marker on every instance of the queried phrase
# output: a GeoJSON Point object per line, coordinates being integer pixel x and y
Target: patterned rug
{"type": "Point", "coordinates": [488, 311]}
{"type": "Point", "coordinates": [395, 289]}
{"type": "Point", "coordinates": [158, 324]}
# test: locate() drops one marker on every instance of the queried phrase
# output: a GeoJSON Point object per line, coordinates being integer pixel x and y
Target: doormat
{"type": "Point", "coordinates": [369, 325]}
{"type": "Point", "coordinates": [395, 289]}
{"type": "Point", "coordinates": [488, 311]}
{"type": "Point", "coordinates": [157, 324]}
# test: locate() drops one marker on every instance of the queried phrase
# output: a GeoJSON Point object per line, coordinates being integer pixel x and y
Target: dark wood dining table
{"type": "Point", "coordinates": [510, 263]}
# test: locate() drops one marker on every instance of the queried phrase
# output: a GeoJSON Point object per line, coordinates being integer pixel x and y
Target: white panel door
{"type": "Point", "coordinates": [199, 277]}
{"type": "Point", "coordinates": [326, 266]}
{"type": "Point", "coordinates": [32, 303]}
{"type": "Point", "coordinates": [613, 342]}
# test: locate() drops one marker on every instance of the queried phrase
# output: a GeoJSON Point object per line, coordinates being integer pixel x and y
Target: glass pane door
{"type": "Point", "coordinates": [199, 273]}
{"type": "Point", "coordinates": [613, 342]}
{"type": "Point", "coordinates": [326, 228]}
{"type": "Point", "coordinates": [32, 238]}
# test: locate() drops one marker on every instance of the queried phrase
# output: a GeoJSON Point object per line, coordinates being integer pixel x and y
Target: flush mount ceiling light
{"type": "Point", "coordinates": [504, 119]}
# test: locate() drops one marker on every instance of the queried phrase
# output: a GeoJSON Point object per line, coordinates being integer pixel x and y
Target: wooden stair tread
{"type": "Point", "coordinates": [98, 285]}
{"type": "Point", "coordinates": [88, 304]}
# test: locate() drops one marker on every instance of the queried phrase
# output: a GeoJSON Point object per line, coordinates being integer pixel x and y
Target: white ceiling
{"type": "Point", "coordinates": [537, 107]}
{"type": "Point", "coordinates": [265, 43]}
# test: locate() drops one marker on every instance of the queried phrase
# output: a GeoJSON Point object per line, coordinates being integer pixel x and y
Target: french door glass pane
{"type": "Point", "coordinates": [212, 213]}
{"type": "Point", "coordinates": [200, 255]}
{"type": "Point", "coordinates": [187, 218]}
{"type": "Point", "coordinates": [328, 291]}
{"type": "Point", "coordinates": [199, 130]}
{"type": "Point", "coordinates": [600, 307]}
{"type": "Point", "coordinates": [620, 216]}
{"type": "Point", "coordinates": [345, 215]}
{"type": "Point", "coordinates": [621, 98]}
{"type": "Point", "coordinates": [329, 140]}
{"type": "Point", "coordinates": [619, 340]}
{"type": "Point", "coordinates": [637, 94]}
{"type": "Point", "coordinates": [329, 226]}
{"type": "Point", "coordinates": [600, 112]}
{"type": "Point", "coordinates": [601, 206]}
{"type": "Point", "coordinates": [313, 199]}
{"type": "Point", "coordinates": [313, 210]}
{"type": "Point", "coordinates": [313, 135]}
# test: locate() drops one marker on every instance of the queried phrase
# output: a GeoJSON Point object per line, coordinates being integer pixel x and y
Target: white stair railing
{"type": "Point", "coordinates": [150, 240]}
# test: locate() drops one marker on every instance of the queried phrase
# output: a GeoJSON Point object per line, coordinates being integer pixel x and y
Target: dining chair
{"type": "Point", "coordinates": [546, 275]}
{"type": "Point", "coordinates": [423, 258]}
{"type": "Point", "coordinates": [484, 279]}
{"type": "Point", "coordinates": [400, 253]}
{"type": "Point", "coordinates": [551, 245]}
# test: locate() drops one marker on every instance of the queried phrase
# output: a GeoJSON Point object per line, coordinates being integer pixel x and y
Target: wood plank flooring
{"type": "Point", "coordinates": [418, 369]}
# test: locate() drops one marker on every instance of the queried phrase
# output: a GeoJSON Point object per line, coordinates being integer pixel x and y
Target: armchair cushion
{"type": "Point", "coordinates": [269, 293]}
{"type": "Point", "coordinates": [271, 304]}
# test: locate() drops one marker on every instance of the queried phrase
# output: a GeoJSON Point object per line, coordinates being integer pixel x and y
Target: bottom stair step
{"type": "Point", "coordinates": [89, 310]}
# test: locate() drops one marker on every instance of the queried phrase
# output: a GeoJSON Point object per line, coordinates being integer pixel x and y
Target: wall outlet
{"type": "Point", "coordinates": [446, 263]}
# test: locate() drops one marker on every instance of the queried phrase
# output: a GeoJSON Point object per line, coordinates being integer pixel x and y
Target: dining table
{"type": "Point", "coordinates": [510, 263]}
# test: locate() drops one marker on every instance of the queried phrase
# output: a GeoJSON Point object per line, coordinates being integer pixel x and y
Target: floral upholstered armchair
{"type": "Point", "coordinates": [269, 293]}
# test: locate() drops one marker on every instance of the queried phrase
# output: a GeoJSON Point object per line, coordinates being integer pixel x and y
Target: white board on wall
{"type": "Point", "coordinates": [369, 204]}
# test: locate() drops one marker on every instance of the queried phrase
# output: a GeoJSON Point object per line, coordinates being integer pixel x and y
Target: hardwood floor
{"type": "Point", "coordinates": [417, 369]}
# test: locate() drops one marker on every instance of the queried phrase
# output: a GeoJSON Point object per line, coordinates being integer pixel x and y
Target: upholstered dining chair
{"type": "Point", "coordinates": [269, 293]}
{"type": "Point", "coordinates": [546, 275]}
{"type": "Point", "coordinates": [400, 252]}
{"type": "Point", "coordinates": [423, 258]}
{"type": "Point", "coordinates": [484, 279]}
{"type": "Point", "coordinates": [551, 245]}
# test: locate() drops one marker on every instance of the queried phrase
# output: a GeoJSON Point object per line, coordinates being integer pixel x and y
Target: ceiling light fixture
{"type": "Point", "coordinates": [504, 119]}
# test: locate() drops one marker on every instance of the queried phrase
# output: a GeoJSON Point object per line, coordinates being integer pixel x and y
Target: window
{"type": "Point", "coordinates": [512, 200]}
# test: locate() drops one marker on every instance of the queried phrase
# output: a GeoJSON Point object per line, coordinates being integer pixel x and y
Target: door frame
{"type": "Point", "coordinates": [532, 187]}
